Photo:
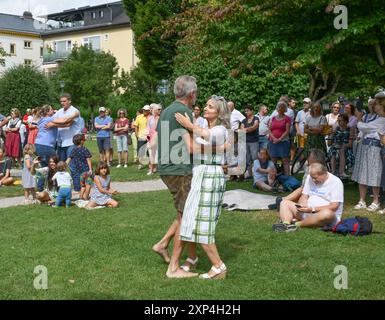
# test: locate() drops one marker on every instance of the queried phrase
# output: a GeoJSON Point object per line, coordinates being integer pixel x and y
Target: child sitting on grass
{"type": "Point", "coordinates": [63, 180]}
{"type": "Point", "coordinates": [28, 180]}
{"type": "Point", "coordinates": [81, 168]}
{"type": "Point", "coordinates": [101, 194]}
{"type": "Point", "coordinates": [264, 172]}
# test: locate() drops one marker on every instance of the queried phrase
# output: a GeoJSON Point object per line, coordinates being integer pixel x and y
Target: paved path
{"type": "Point", "coordinates": [123, 187]}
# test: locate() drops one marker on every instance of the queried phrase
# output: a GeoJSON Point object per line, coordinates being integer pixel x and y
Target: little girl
{"type": "Point", "coordinates": [28, 179]}
{"type": "Point", "coordinates": [101, 194]}
{"type": "Point", "coordinates": [63, 180]}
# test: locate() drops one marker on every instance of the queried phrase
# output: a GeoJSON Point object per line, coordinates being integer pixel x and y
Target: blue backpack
{"type": "Point", "coordinates": [290, 183]}
{"type": "Point", "coordinates": [358, 226]}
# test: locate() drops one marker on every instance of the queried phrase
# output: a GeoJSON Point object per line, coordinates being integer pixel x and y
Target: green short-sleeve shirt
{"type": "Point", "coordinates": [173, 156]}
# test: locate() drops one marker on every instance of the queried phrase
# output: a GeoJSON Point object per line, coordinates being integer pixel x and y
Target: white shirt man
{"type": "Point", "coordinates": [236, 117]}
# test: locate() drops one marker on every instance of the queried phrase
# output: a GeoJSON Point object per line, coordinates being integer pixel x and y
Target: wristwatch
{"type": "Point", "coordinates": [313, 210]}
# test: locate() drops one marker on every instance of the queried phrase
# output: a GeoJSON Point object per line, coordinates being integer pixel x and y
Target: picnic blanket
{"type": "Point", "coordinates": [245, 200]}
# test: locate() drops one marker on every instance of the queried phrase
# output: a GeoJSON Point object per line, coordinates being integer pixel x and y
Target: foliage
{"type": "Point", "coordinates": [89, 76]}
{"type": "Point", "coordinates": [2, 55]}
{"type": "Point", "coordinates": [23, 87]}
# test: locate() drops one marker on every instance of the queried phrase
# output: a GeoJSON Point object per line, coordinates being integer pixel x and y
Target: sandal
{"type": "Point", "coordinates": [373, 207]}
{"type": "Point", "coordinates": [360, 205]}
{"type": "Point", "coordinates": [192, 266]}
{"type": "Point", "coordinates": [220, 273]}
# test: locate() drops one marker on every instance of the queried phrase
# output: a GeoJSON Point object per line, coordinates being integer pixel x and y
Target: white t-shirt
{"type": "Point", "coordinates": [63, 179]}
{"type": "Point", "coordinates": [300, 119]}
{"type": "Point", "coordinates": [65, 135]}
{"type": "Point", "coordinates": [332, 190]}
{"type": "Point", "coordinates": [202, 122]}
{"type": "Point", "coordinates": [218, 136]}
{"type": "Point", "coordinates": [236, 119]}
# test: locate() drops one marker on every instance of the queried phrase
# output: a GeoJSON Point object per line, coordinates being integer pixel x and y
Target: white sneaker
{"type": "Point", "coordinates": [373, 207]}
{"type": "Point", "coordinates": [149, 173]}
{"type": "Point", "coordinates": [125, 166]}
{"type": "Point", "coordinates": [360, 205]}
{"type": "Point", "coordinates": [118, 166]}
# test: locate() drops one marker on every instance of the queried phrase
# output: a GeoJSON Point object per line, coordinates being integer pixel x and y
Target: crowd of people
{"type": "Point", "coordinates": [194, 164]}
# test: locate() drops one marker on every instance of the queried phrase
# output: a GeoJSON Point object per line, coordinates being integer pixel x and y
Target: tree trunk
{"type": "Point", "coordinates": [380, 56]}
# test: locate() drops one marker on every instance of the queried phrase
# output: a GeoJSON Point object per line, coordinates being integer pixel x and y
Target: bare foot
{"type": "Point", "coordinates": [163, 252]}
{"type": "Point", "coordinates": [179, 273]}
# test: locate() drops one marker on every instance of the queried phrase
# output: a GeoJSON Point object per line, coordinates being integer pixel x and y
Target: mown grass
{"type": "Point", "coordinates": [106, 254]}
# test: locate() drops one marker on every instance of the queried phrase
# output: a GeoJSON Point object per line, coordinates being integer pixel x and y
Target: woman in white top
{"type": "Point", "coordinates": [368, 165]}
{"type": "Point", "coordinates": [331, 119]}
{"type": "Point", "coordinates": [204, 202]}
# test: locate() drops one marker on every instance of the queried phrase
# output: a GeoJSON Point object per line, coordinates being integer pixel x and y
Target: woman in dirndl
{"type": "Point", "coordinates": [367, 169]}
{"type": "Point", "coordinates": [204, 201]}
{"type": "Point", "coordinates": [12, 139]}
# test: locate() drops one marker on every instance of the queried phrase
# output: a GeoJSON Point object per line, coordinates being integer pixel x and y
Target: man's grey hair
{"type": "Point", "coordinates": [318, 156]}
{"type": "Point", "coordinates": [184, 86]}
{"type": "Point", "coordinates": [318, 168]}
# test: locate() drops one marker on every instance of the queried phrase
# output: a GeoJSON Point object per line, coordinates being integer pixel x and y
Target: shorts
{"type": "Point", "coordinates": [179, 187]}
{"type": "Point", "coordinates": [86, 179]}
{"type": "Point", "coordinates": [104, 144]}
{"type": "Point", "coordinates": [122, 143]}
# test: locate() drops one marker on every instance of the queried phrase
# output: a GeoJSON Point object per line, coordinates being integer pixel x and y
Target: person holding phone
{"type": "Point", "coordinates": [320, 205]}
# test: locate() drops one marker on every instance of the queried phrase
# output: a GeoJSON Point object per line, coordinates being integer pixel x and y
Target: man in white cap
{"type": "Point", "coordinates": [103, 126]}
{"type": "Point", "coordinates": [300, 122]}
{"type": "Point", "coordinates": [140, 126]}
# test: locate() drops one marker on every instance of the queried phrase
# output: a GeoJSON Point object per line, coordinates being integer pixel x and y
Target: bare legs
{"type": "Point", "coordinates": [376, 193]}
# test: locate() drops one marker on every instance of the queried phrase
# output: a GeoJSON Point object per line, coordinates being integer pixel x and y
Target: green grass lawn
{"type": "Point", "coordinates": [106, 254]}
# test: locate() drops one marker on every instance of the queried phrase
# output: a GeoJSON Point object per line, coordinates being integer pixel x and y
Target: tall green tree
{"type": "Point", "coordinates": [23, 87]}
{"type": "Point", "coordinates": [89, 76]}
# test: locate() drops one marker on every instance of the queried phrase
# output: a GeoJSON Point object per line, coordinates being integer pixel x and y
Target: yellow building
{"type": "Point", "coordinates": [103, 27]}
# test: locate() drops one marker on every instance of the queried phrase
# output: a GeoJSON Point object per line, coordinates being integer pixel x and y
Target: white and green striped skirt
{"type": "Point", "coordinates": [203, 204]}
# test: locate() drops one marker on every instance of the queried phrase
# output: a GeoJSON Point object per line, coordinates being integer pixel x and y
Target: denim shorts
{"type": "Point", "coordinates": [104, 144]}
{"type": "Point", "coordinates": [122, 143]}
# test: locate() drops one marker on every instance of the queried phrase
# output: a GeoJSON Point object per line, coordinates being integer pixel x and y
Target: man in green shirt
{"type": "Point", "coordinates": [175, 167]}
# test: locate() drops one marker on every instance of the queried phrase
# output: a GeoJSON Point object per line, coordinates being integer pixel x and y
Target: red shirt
{"type": "Point", "coordinates": [121, 123]}
{"type": "Point", "coordinates": [278, 127]}
{"type": "Point", "coordinates": [25, 121]}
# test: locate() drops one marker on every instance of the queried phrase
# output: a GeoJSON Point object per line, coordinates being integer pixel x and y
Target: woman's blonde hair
{"type": "Point", "coordinates": [122, 110]}
{"type": "Point", "coordinates": [16, 112]}
{"type": "Point", "coordinates": [29, 149]}
{"type": "Point", "coordinates": [223, 111]}
{"type": "Point", "coordinates": [44, 110]}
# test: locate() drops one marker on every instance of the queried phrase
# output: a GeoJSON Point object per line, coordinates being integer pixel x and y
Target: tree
{"type": "Point", "coordinates": [89, 76]}
{"type": "Point", "coordinates": [23, 87]}
{"type": "Point", "coordinates": [2, 55]}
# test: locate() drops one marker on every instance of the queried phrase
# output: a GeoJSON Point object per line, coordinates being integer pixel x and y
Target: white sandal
{"type": "Point", "coordinates": [360, 205]}
{"type": "Point", "coordinates": [381, 211]}
{"type": "Point", "coordinates": [373, 207]}
{"type": "Point", "coordinates": [193, 264]}
{"type": "Point", "coordinates": [220, 273]}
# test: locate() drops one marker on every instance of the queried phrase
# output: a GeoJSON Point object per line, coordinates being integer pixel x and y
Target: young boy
{"type": "Point", "coordinates": [63, 180]}
{"type": "Point", "coordinates": [81, 167]}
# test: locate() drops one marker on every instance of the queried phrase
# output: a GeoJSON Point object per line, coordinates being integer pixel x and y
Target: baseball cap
{"type": "Point", "coordinates": [307, 100]}
{"type": "Point", "coordinates": [102, 109]}
{"type": "Point", "coordinates": [146, 108]}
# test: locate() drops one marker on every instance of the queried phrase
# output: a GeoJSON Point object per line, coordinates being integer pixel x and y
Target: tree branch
{"type": "Point", "coordinates": [380, 56]}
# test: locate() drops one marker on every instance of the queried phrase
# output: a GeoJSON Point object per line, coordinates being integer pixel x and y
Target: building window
{"type": "Point", "coordinates": [101, 14]}
{"type": "Point", "coordinates": [41, 51]}
{"type": "Point", "coordinates": [93, 15]}
{"type": "Point", "coordinates": [12, 49]}
{"type": "Point", "coordinates": [69, 45]}
{"type": "Point", "coordinates": [106, 37]}
{"type": "Point", "coordinates": [93, 42]}
{"type": "Point", "coordinates": [28, 62]}
{"type": "Point", "coordinates": [27, 44]}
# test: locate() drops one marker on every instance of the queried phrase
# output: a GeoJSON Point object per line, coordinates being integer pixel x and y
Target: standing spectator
{"type": "Point", "coordinates": [236, 117]}
{"type": "Point", "coordinates": [12, 138]}
{"type": "Point", "coordinates": [264, 120]}
{"type": "Point", "coordinates": [152, 123]}
{"type": "Point", "coordinates": [81, 167]}
{"type": "Point", "coordinates": [134, 139]}
{"type": "Point", "coordinates": [121, 133]}
{"type": "Point", "coordinates": [292, 104]}
{"type": "Point", "coordinates": [5, 170]}
{"type": "Point", "coordinates": [279, 145]}
{"type": "Point", "coordinates": [198, 120]}
{"type": "Point", "coordinates": [368, 163]}
{"type": "Point", "coordinates": [141, 133]}
{"type": "Point", "coordinates": [66, 134]}
{"type": "Point", "coordinates": [315, 123]}
{"type": "Point", "coordinates": [383, 165]}
{"type": "Point", "coordinates": [300, 123]}
{"type": "Point", "coordinates": [33, 126]}
{"type": "Point", "coordinates": [27, 178]}
{"type": "Point", "coordinates": [3, 122]}
{"type": "Point", "coordinates": [331, 120]}
{"type": "Point", "coordinates": [250, 126]}
{"type": "Point", "coordinates": [109, 114]}
{"type": "Point", "coordinates": [26, 119]}
{"type": "Point", "coordinates": [350, 110]}
{"type": "Point", "coordinates": [341, 143]}
{"type": "Point", "coordinates": [103, 126]}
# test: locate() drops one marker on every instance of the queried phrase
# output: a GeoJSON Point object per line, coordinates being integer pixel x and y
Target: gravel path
{"type": "Point", "coordinates": [123, 187]}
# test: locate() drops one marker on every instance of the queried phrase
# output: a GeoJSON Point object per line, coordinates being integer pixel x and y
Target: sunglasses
{"type": "Point", "coordinates": [215, 97]}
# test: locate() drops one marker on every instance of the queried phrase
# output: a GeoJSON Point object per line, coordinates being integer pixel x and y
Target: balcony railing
{"type": "Point", "coordinates": [55, 56]}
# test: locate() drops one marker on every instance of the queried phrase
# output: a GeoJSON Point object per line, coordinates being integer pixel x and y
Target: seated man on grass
{"type": "Point", "coordinates": [321, 202]}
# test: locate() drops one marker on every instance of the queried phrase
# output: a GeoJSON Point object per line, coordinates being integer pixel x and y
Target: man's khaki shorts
{"type": "Point", "coordinates": [179, 187]}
